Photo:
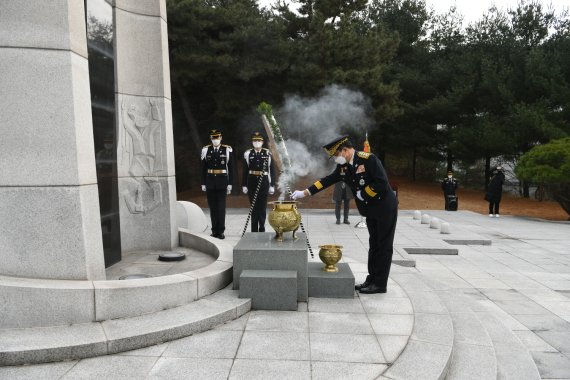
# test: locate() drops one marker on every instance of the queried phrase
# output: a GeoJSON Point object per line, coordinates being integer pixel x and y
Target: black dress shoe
{"type": "Point", "coordinates": [346, 222]}
{"type": "Point", "coordinates": [373, 288]}
{"type": "Point", "coordinates": [213, 235]}
{"type": "Point", "coordinates": [363, 285]}
{"type": "Point", "coordinates": [221, 236]}
{"type": "Point", "coordinates": [338, 222]}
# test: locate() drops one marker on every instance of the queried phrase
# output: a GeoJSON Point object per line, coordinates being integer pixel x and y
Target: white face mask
{"type": "Point", "coordinates": [340, 160]}
{"type": "Point", "coordinates": [216, 142]}
{"type": "Point", "coordinates": [449, 176]}
{"type": "Point", "coordinates": [257, 144]}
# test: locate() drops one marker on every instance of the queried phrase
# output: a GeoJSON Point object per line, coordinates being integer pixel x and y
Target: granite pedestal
{"type": "Point", "coordinates": [269, 289]}
{"type": "Point", "coordinates": [331, 285]}
{"type": "Point", "coordinates": [260, 251]}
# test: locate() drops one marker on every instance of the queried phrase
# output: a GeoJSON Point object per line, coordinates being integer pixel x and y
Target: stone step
{"type": "Point", "coordinates": [428, 352]}
{"type": "Point", "coordinates": [473, 351]}
{"type": "Point", "coordinates": [48, 344]}
{"type": "Point", "coordinates": [514, 361]}
{"type": "Point", "coordinates": [402, 258]}
{"type": "Point", "coordinates": [480, 327]}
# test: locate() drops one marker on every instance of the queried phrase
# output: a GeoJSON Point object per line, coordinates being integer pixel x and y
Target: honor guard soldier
{"type": "Point", "coordinates": [217, 180]}
{"type": "Point", "coordinates": [449, 185]}
{"type": "Point", "coordinates": [258, 167]}
{"type": "Point", "coordinates": [375, 200]}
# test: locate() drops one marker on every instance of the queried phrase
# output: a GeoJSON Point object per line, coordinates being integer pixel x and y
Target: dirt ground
{"type": "Point", "coordinates": [413, 196]}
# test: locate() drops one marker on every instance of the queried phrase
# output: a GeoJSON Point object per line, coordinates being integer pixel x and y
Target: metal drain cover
{"type": "Point", "coordinates": [171, 256]}
{"type": "Point", "coordinates": [134, 276]}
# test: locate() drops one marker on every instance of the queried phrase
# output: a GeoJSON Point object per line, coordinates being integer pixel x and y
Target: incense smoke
{"type": "Point", "coordinates": [309, 123]}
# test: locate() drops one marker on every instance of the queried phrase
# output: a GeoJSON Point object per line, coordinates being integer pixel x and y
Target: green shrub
{"type": "Point", "coordinates": [549, 166]}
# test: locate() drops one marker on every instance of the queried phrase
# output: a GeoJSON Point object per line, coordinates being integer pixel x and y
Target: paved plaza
{"type": "Point", "coordinates": [498, 311]}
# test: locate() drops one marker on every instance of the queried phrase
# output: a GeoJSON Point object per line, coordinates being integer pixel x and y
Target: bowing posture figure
{"type": "Point", "coordinates": [375, 199]}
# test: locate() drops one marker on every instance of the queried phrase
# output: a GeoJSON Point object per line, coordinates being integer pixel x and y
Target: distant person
{"type": "Point", "coordinates": [495, 191]}
{"type": "Point", "coordinates": [258, 166]}
{"type": "Point", "coordinates": [342, 193]}
{"type": "Point", "coordinates": [217, 179]}
{"type": "Point", "coordinates": [449, 185]}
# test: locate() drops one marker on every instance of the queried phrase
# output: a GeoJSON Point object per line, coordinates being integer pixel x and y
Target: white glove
{"type": "Point", "coordinates": [229, 189]}
{"type": "Point", "coordinates": [244, 189]}
{"type": "Point", "coordinates": [359, 196]}
{"type": "Point", "coordinates": [203, 187]}
{"type": "Point", "coordinates": [271, 190]}
{"type": "Point", "coordinates": [298, 194]}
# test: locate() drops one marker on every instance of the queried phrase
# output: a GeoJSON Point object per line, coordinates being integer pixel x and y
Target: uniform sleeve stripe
{"type": "Point", "coordinates": [370, 192]}
{"type": "Point", "coordinates": [318, 185]}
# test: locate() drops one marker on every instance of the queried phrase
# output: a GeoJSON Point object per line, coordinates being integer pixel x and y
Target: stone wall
{"type": "Point", "coordinates": [49, 210]}
{"type": "Point", "coordinates": [145, 149]}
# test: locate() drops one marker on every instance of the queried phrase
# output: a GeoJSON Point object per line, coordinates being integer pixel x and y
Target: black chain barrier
{"type": "Point", "coordinates": [254, 200]}
{"type": "Point", "coordinates": [288, 190]}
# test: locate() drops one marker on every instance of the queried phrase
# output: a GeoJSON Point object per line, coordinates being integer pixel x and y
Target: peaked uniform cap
{"type": "Point", "coordinates": [215, 133]}
{"type": "Point", "coordinates": [257, 137]}
{"type": "Point", "coordinates": [332, 146]}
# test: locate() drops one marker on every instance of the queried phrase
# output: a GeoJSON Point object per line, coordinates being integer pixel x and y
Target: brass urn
{"type": "Point", "coordinates": [284, 217]}
{"type": "Point", "coordinates": [330, 254]}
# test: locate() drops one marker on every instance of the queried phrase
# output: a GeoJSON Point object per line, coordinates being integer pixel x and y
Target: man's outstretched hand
{"type": "Point", "coordinates": [297, 194]}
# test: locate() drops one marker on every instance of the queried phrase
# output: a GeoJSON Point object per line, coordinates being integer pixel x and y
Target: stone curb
{"type": "Point", "coordinates": [48, 344]}
{"type": "Point", "coordinates": [429, 350]}
{"type": "Point", "coordinates": [33, 303]}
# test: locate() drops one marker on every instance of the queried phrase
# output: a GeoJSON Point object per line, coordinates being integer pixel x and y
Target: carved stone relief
{"type": "Point", "coordinates": [140, 149]}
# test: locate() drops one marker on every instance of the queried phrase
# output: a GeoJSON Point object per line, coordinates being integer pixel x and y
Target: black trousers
{"type": "Point", "coordinates": [446, 200]}
{"type": "Point", "coordinates": [217, 204]}
{"type": "Point", "coordinates": [381, 241]}
{"type": "Point", "coordinates": [493, 207]}
{"type": "Point", "coordinates": [346, 209]}
{"type": "Point", "coordinates": [259, 212]}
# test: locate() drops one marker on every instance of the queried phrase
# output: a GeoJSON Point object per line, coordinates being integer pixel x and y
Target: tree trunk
{"type": "Point", "coordinates": [190, 120]}
{"type": "Point", "coordinates": [414, 159]}
{"type": "Point", "coordinates": [487, 171]}
{"type": "Point", "coordinates": [526, 191]}
{"type": "Point", "coordinates": [449, 160]}
{"type": "Point", "coordinates": [382, 157]}
{"type": "Point", "coordinates": [561, 194]}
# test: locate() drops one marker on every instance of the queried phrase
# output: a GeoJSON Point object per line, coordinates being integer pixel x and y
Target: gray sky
{"type": "Point", "coordinates": [472, 10]}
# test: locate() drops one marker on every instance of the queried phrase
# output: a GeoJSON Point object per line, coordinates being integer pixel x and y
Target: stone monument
{"type": "Point", "coordinates": [49, 206]}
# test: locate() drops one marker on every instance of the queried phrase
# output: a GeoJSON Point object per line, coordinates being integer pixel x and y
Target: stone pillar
{"type": "Point", "coordinates": [145, 147]}
{"type": "Point", "coordinates": [49, 210]}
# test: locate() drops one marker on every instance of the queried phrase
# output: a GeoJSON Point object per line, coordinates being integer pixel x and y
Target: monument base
{"type": "Point", "coordinates": [260, 251]}
{"type": "Point", "coordinates": [330, 285]}
{"type": "Point", "coordinates": [269, 289]}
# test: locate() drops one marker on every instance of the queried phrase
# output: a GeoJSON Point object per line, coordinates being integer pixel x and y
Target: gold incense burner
{"type": "Point", "coordinates": [284, 217]}
{"type": "Point", "coordinates": [330, 254]}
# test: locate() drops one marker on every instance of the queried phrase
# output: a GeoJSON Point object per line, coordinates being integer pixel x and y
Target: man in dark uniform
{"type": "Point", "coordinates": [375, 200]}
{"type": "Point", "coordinates": [217, 180]}
{"type": "Point", "coordinates": [495, 191]}
{"type": "Point", "coordinates": [449, 185]}
{"type": "Point", "coordinates": [258, 166]}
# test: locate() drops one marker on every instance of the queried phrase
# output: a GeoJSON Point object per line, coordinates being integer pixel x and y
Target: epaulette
{"type": "Point", "coordinates": [207, 146]}
{"type": "Point", "coordinates": [363, 154]}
